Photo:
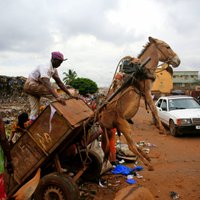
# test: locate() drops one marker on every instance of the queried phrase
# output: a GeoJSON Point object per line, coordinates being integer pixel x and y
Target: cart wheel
{"type": "Point", "coordinates": [56, 187]}
{"type": "Point", "coordinates": [95, 165]}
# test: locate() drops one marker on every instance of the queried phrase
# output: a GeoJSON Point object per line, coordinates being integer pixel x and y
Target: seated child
{"type": "Point", "coordinates": [18, 127]}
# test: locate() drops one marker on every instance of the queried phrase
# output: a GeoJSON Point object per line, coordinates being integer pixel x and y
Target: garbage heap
{"type": "Point", "coordinates": [12, 98]}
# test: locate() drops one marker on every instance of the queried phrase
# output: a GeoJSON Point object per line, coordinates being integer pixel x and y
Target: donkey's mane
{"type": "Point", "coordinates": [144, 49]}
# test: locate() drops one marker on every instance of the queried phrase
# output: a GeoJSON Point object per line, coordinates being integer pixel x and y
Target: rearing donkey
{"type": "Point", "coordinates": [126, 103]}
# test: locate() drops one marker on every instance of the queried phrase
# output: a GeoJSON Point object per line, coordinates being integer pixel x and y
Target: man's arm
{"type": "Point", "coordinates": [47, 84]}
{"type": "Point", "coordinates": [61, 84]}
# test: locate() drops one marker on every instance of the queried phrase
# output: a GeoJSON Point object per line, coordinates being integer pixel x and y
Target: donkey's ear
{"type": "Point", "coordinates": [151, 39]}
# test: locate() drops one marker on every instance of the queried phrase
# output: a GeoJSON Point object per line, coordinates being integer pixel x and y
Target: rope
{"type": "Point", "coordinates": [86, 139]}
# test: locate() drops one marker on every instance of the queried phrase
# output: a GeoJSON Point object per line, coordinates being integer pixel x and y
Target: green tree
{"type": "Point", "coordinates": [69, 77]}
{"type": "Point", "coordinates": [84, 86]}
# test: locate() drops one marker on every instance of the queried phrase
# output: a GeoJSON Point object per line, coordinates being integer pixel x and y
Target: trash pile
{"type": "Point", "coordinates": [123, 151]}
{"type": "Point", "coordinates": [128, 172]}
{"type": "Point", "coordinates": [145, 146]}
{"type": "Point", "coordinates": [125, 171]}
{"type": "Point", "coordinates": [12, 98]}
{"type": "Point", "coordinates": [11, 89]}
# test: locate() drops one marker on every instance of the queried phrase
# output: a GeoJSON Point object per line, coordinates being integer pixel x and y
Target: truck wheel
{"type": "Point", "coordinates": [172, 128]}
{"type": "Point", "coordinates": [95, 165]}
{"type": "Point", "coordinates": [56, 187]}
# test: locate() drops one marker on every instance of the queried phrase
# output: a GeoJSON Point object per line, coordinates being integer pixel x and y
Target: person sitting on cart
{"type": "Point", "coordinates": [4, 151]}
{"type": "Point", "coordinates": [18, 128]}
{"type": "Point", "coordinates": [38, 84]}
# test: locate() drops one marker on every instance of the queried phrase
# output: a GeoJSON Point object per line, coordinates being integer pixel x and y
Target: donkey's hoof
{"type": "Point", "coordinates": [150, 168]}
{"type": "Point", "coordinates": [162, 132]}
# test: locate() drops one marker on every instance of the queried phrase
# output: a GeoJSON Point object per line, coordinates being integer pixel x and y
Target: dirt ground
{"type": "Point", "coordinates": [176, 163]}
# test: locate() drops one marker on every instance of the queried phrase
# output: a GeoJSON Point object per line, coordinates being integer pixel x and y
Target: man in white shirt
{"type": "Point", "coordinates": [38, 83]}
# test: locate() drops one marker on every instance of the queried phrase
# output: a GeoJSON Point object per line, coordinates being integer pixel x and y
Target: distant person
{"type": "Point", "coordinates": [4, 152]}
{"type": "Point", "coordinates": [38, 83]}
{"type": "Point", "coordinates": [112, 147]}
{"type": "Point", "coordinates": [18, 128]}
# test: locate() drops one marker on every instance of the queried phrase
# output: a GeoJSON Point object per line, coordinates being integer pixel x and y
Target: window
{"type": "Point", "coordinates": [159, 103]}
{"type": "Point", "coordinates": [164, 105]}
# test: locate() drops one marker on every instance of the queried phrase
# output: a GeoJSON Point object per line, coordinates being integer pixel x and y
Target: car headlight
{"type": "Point", "coordinates": [183, 122]}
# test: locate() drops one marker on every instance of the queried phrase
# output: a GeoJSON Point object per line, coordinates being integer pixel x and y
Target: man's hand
{"type": "Point", "coordinates": [76, 97]}
{"type": "Point", "coordinates": [61, 100]}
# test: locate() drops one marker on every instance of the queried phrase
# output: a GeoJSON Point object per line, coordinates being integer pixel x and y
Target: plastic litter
{"type": "Point", "coordinates": [150, 145]}
{"type": "Point", "coordinates": [138, 168]}
{"type": "Point", "coordinates": [145, 144]}
{"type": "Point", "coordinates": [146, 150]}
{"type": "Point", "coordinates": [71, 174]}
{"type": "Point", "coordinates": [140, 143]}
{"type": "Point", "coordinates": [122, 161]}
{"type": "Point", "coordinates": [130, 176]}
{"type": "Point", "coordinates": [131, 181]}
{"type": "Point", "coordinates": [121, 169]}
{"type": "Point", "coordinates": [102, 183]}
{"type": "Point", "coordinates": [174, 195]}
{"type": "Point", "coordinates": [139, 176]}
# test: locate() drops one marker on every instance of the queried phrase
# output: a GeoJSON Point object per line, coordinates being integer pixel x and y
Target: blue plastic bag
{"type": "Point", "coordinates": [137, 168]}
{"type": "Point", "coordinates": [121, 169]}
{"type": "Point", "coordinates": [131, 181]}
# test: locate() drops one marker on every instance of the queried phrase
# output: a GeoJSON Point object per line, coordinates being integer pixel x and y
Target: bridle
{"type": "Point", "coordinates": [166, 57]}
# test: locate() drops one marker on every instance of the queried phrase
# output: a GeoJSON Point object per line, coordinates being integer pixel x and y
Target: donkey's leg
{"type": "Point", "coordinates": [143, 154]}
{"type": "Point", "coordinates": [125, 128]}
{"type": "Point", "coordinates": [155, 113]}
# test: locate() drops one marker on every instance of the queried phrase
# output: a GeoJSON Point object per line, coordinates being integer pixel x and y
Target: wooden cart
{"type": "Point", "coordinates": [46, 145]}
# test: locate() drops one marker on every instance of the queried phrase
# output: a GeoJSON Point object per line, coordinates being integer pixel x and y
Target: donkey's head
{"type": "Point", "coordinates": [165, 53]}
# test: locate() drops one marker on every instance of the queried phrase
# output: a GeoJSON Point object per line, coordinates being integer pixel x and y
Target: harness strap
{"type": "Point", "coordinates": [164, 67]}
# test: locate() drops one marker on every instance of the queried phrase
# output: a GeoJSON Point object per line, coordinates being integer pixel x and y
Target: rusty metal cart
{"type": "Point", "coordinates": [46, 144]}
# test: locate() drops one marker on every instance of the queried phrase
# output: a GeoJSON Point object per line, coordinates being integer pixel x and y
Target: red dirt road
{"type": "Point", "coordinates": [176, 163]}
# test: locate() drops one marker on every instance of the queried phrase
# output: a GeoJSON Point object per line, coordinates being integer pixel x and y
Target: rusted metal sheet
{"type": "Point", "coordinates": [49, 129]}
{"type": "Point", "coordinates": [25, 155]}
{"type": "Point", "coordinates": [57, 123]}
{"type": "Point", "coordinates": [26, 158]}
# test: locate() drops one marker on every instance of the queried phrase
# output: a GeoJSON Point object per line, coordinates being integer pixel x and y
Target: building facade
{"type": "Point", "coordinates": [185, 80]}
{"type": "Point", "coordinates": [163, 82]}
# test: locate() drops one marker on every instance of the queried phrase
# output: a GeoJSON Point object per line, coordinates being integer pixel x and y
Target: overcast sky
{"type": "Point", "coordinates": [94, 34]}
